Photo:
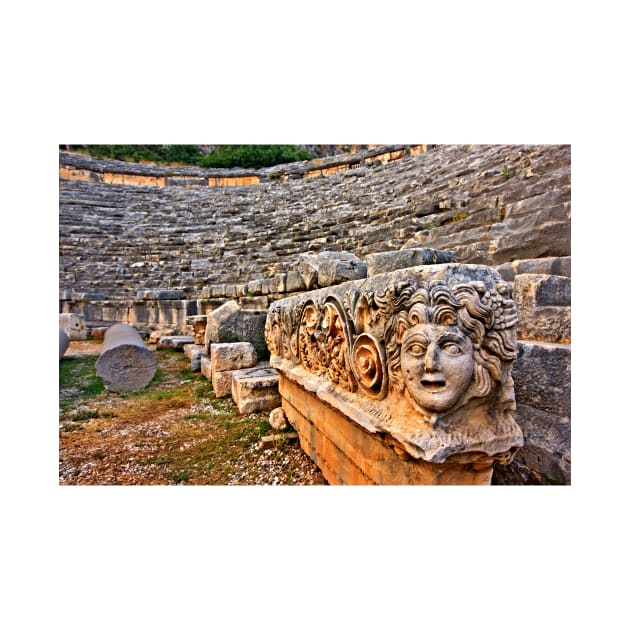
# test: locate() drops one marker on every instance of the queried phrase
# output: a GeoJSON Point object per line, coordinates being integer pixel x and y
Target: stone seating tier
{"type": "Point", "coordinates": [488, 204]}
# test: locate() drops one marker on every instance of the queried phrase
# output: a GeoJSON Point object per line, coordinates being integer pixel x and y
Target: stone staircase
{"type": "Point", "coordinates": [490, 204]}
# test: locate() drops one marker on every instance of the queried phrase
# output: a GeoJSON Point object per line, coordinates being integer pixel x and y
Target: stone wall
{"type": "Point", "coordinates": [76, 167]}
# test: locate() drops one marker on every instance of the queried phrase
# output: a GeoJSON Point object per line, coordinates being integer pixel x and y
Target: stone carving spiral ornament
{"type": "Point", "coordinates": [367, 360]}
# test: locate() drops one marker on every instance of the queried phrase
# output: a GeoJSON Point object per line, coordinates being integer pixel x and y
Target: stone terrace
{"type": "Point", "coordinates": [490, 204]}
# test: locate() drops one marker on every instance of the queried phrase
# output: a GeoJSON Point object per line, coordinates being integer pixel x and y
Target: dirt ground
{"type": "Point", "coordinates": [175, 431]}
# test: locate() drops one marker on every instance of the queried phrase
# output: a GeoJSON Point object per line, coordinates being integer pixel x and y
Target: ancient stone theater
{"type": "Point", "coordinates": [406, 308]}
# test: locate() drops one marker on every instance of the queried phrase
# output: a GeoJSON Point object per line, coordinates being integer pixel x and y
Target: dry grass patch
{"type": "Point", "coordinates": [175, 431]}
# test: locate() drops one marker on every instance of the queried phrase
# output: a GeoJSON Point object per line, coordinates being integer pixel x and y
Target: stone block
{"type": "Point", "coordinates": [254, 287]}
{"type": "Point", "coordinates": [156, 335]}
{"type": "Point", "coordinates": [219, 320]}
{"type": "Point", "coordinates": [198, 324]}
{"type": "Point", "coordinates": [545, 458]}
{"type": "Point", "coordinates": [542, 290]}
{"type": "Point", "coordinates": [335, 271]}
{"type": "Point", "coordinates": [255, 389]}
{"type": "Point", "coordinates": [542, 377]}
{"type": "Point", "coordinates": [229, 324]}
{"type": "Point", "coordinates": [279, 283]}
{"type": "Point", "coordinates": [556, 266]}
{"type": "Point", "coordinates": [206, 367]}
{"type": "Point", "coordinates": [544, 306]}
{"type": "Point", "coordinates": [73, 325]}
{"type": "Point", "coordinates": [160, 294]}
{"type": "Point", "coordinates": [192, 308]}
{"type": "Point", "coordinates": [217, 290]}
{"type": "Point", "coordinates": [98, 332]}
{"type": "Point", "coordinates": [267, 286]}
{"type": "Point", "coordinates": [348, 454]}
{"type": "Point", "coordinates": [384, 262]}
{"type": "Point", "coordinates": [328, 268]}
{"type": "Point", "coordinates": [222, 383]}
{"type": "Point", "coordinates": [506, 271]}
{"type": "Point", "coordinates": [92, 297]}
{"type": "Point", "coordinates": [547, 447]}
{"type": "Point", "coordinates": [195, 352]}
{"type": "Point", "coordinates": [175, 342]}
{"type": "Point", "coordinates": [295, 282]}
{"type": "Point", "coordinates": [232, 356]}
{"type": "Point", "coordinates": [254, 303]}
{"type": "Point", "coordinates": [271, 441]}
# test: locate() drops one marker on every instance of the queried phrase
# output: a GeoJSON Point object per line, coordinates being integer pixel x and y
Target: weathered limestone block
{"type": "Point", "coordinates": [222, 383]}
{"type": "Point", "coordinates": [272, 441]}
{"type": "Point", "coordinates": [198, 324]}
{"type": "Point", "coordinates": [385, 262]}
{"type": "Point", "coordinates": [255, 389]}
{"type": "Point", "coordinates": [64, 342]}
{"type": "Point", "coordinates": [232, 356]}
{"type": "Point", "coordinates": [401, 378]}
{"type": "Point", "coordinates": [553, 266]}
{"type": "Point", "coordinates": [175, 342]}
{"type": "Point", "coordinates": [218, 320]}
{"type": "Point", "coordinates": [225, 358]}
{"type": "Point", "coordinates": [195, 352]}
{"type": "Point", "coordinates": [254, 287]}
{"type": "Point", "coordinates": [546, 455]}
{"type": "Point", "coordinates": [336, 271]}
{"type": "Point", "coordinates": [206, 368]}
{"type": "Point", "coordinates": [255, 303]}
{"type": "Point", "coordinates": [125, 363]}
{"type": "Point", "coordinates": [327, 268]}
{"type": "Point", "coordinates": [73, 325]}
{"type": "Point", "coordinates": [229, 323]}
{"type": "Point", "coordinates": [89, 296]}
{"type": "Point", "coordinates": [544, 306]}
{"type": "Point", "coordinates": [156, 335]}
{"type": "Point", "coordinates": [160, 294]}
{"type": "Point", "coordinates": [542, 377]}
{"type": "Point", "coordinates": [295, 282]}
{"type": "Point", "coordinates": [348, 454]}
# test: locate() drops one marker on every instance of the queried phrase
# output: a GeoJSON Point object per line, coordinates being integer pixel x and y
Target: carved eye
{"type": "Point", "coordinates": [416, 349]}
{"type": "Point", "coordinates": [453, 349]}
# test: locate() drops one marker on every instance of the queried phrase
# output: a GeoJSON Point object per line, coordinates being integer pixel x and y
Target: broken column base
{"type": "Point", "coordinates": [347, 454]}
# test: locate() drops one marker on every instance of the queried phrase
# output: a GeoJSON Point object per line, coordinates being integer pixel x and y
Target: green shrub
{"type": "Point", "coordinates": [253, 155]}
{"type": "Point", "coordinates": [226, 156]}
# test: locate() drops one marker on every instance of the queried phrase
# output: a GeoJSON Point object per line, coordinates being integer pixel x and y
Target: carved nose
{"type": "Point", "coordinates": [432, 358]}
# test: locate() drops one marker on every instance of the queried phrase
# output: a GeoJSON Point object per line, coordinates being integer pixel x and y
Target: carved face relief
{"type": "Point", "coordinates": [437, 365]}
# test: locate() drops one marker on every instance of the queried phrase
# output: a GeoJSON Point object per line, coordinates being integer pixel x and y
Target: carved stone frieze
{"type": "Point", "coordinates": [421, 356]}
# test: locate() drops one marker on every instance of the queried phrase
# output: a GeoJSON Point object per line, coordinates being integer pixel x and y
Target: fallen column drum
{"type": "Point", "coordinates": [125, 363]}
{"type": "Point", "coordinates": [64, 342]}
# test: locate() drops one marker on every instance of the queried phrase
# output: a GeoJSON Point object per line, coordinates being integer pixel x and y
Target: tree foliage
{"type": "Point", "coordinates": [253, 155]}
{"type": "Point", "coordinates": [225, 156]}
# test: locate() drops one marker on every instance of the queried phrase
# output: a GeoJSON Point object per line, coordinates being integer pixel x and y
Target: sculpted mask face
{"type": "Point", "coordinates": [437, 365]}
